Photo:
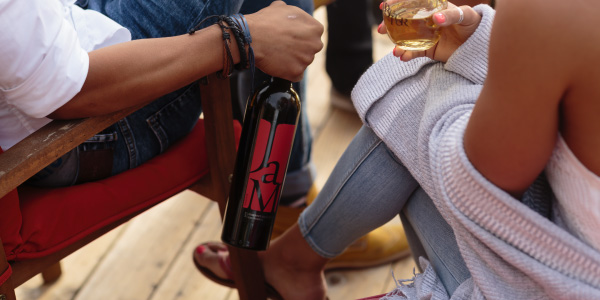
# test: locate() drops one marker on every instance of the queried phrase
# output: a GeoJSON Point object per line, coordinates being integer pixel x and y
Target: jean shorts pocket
{"type": "Point", "coordinates": [92, 160]}
{"type": "Point", "coordinates": [96, 156]}
{"type": "Point", "coordinates": [102, 141]}
{"type": "Point", "coordinates": [177, 118]}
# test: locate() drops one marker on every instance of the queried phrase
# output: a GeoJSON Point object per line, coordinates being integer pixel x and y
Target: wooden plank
{"type": "Point", "coordinates": [337, 134]}
{"type": "Point", "coordinates": [145, 250]}
{"type": "Point", "coordinates": [183, 280]}
{"type": "Point", "coordinates": [77, 267]}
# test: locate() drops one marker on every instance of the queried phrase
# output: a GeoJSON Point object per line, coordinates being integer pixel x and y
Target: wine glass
{"type": "Point", "coordinates": [410, 22]}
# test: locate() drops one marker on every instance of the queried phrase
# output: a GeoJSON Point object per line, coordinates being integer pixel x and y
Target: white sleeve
{"type": "Point", "coordinates": [42, 65]}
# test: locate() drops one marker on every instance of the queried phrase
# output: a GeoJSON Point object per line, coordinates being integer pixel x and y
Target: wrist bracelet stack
{"type": "Point", "coordinates": [238, 26]}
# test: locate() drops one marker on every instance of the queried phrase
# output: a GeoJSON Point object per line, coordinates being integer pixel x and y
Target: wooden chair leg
{"type": "Point", "coordinates": [7, 291]}
{"type": "Point", "coordinates": [7, 288]}
{"type": "Point", "coordinates": [52, 273]}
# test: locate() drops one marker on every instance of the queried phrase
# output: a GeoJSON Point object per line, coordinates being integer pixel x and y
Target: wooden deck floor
{"type": "Point", "coordinates": [150, 257]}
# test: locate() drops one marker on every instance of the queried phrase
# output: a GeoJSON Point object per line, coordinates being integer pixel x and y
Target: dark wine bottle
{"type": "Point", "coordinates": [264, 151]}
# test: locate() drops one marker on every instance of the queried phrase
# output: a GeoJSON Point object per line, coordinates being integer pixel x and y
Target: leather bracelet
{"type": "Point", "coordinates": [241, 41]}
{"type": "Point", "coordinates": [227, 56]}
{"type": "Point", "coordinates": [241, 32]}
{"type": "Point", "coordinates": [242, 23]}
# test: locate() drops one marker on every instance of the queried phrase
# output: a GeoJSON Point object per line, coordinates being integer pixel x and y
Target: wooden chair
{"type": "Point", "coordinates": [52, 141]}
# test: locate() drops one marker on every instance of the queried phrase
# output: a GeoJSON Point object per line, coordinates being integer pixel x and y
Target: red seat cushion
{"type": "Point", "coordinates": [54, 218]}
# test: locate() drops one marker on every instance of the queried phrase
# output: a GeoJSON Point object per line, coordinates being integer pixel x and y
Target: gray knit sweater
{"type": "Point", "coordinates": [514, 249]}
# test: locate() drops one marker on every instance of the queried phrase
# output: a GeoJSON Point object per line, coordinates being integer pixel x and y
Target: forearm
{"type": "Point", "coordinates": [284, 38]}
{"type": "Point", "coordinates": [137, 72]}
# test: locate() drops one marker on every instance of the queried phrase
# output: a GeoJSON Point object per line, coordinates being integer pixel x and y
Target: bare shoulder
{"type": "Point", "coordinates": [557, 38]}
{"type": "Point", "coordinates": [564, 26]}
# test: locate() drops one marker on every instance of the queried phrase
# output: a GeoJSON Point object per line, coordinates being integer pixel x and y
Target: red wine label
{"type": "Point", "coordinates": [269, 163]}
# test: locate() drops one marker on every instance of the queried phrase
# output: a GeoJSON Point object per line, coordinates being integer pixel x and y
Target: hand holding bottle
{"type": "Point", "coordinates": [285, 40]}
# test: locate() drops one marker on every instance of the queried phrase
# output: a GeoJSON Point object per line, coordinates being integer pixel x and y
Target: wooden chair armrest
{"type": "Point", "coordinates": [50, 142]}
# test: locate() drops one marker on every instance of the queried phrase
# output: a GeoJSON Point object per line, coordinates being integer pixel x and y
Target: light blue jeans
{"type": "Point", "coordinates": [154, 128]}
{"type": "Point", "coordinates": [367, 188]}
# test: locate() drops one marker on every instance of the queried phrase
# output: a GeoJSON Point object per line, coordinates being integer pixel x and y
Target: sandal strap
{"type": "Point", "coordinates": [225, 263]}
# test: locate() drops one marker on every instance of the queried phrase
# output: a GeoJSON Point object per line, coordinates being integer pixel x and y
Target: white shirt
{"type": "Point", "coordinates": [44, 60]}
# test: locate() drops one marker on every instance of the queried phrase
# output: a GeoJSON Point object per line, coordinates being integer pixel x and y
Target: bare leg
{"type": "Point", "coordinates": [291, 267]}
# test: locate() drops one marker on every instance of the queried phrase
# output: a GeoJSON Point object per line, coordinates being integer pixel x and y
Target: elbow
{"type": "Point", "coordinates": [57, 115]}
{"type": "Point", "coordinates": [71, 110]}
{"type": "Point", "coordinates": [63, 113]}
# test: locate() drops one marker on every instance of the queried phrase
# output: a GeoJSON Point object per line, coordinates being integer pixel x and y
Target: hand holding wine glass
{"type": "Point", "coordinates": [437, 31]}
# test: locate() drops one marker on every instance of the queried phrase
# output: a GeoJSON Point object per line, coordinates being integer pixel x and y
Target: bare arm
{"type": "Point", "coordinates": [135, 72]}
{"type": "Point", "coordinates": [285, 40]}
{"type": "Point", "coordinates": [513, 128]}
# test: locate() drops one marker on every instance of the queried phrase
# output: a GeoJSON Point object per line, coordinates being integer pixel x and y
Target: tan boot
{"type": "Point", "coordinates": [382, 245]}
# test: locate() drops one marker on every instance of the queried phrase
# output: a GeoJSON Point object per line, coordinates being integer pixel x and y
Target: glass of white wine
{"type": "Point", "coordinates": [410, 22]}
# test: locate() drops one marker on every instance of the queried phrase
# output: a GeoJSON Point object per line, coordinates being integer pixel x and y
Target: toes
{"type": "Point", "coordinates": [215, 257]}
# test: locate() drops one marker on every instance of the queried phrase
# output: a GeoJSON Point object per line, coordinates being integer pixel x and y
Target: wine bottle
{"type": "Point", "coordinates": [268, 133]}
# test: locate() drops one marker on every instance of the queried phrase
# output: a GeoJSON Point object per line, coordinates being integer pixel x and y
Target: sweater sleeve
{"type": "Point", "coordinates": [497, 234]}
{"type": "Point", "coordinates": [470, 60]}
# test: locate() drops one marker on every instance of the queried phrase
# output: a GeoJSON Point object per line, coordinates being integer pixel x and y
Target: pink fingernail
{"type": "Point", "coordinates": [440, 18]}
{"type": "Point", "coordinates": [394, 52]}
{"type": "Point", "coordinates": [381, 5]}
{"type": "Point", "coordinates": [200, 249]}
{"type": "Point", "coordinates": [379, 27]}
